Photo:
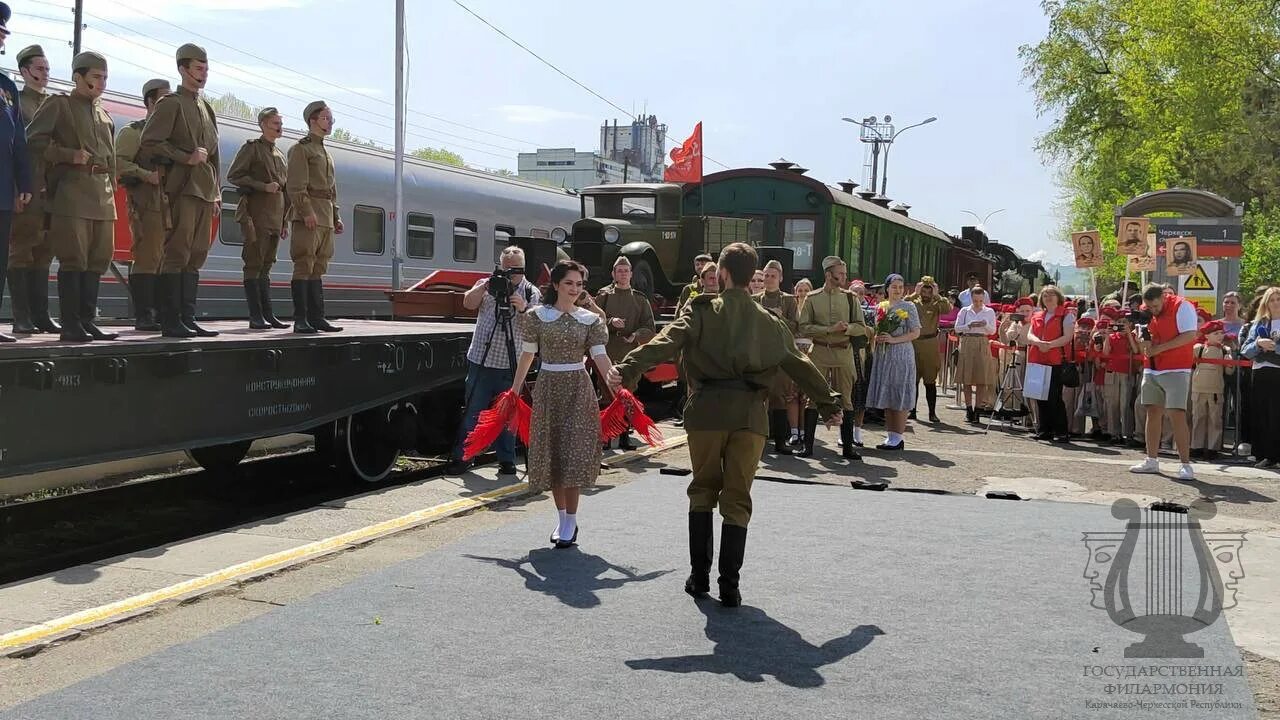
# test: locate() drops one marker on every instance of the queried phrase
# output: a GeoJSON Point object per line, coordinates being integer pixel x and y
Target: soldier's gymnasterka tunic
{"type": "Point", "coordinates": [928, 355]}
{"type": "Point", "coordinates": [564, 436]}
{"type": "Point", "coordinates": [81, 198]}
{"type": "Point", "coordinates": [785, 307]}
{"type": "Point", "coordinates": [261, 214]}
{"type": "Point", "coordinates": [313, 190]}
{"type": "Point", "coordinates": [30, 247]}
{"type": "Point", "coordinates": [182, 122]}
{"type": "Point", "coordinates": [146, 219]}
{"type": "Point", "coordinates": [833, 351]}
{"type": "Point", "coordinates": [636, 314]}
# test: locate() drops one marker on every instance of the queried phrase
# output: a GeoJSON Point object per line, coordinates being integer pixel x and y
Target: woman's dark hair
{"type": "Point", "coordinates": [562, 268]}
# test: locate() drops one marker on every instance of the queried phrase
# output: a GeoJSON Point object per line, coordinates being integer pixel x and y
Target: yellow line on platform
{"type": "Point", "coordinates": [40, 632]}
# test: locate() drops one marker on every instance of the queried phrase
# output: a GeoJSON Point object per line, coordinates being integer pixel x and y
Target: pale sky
{"type": "Point", "coordinates": [767, 80]}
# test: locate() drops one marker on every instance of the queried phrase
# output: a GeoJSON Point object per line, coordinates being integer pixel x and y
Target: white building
{"type": "Point", "coordinates": [568, 168]}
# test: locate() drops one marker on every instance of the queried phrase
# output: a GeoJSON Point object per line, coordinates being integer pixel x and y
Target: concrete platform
{"type": "Point", "coordinates": [861, 604]}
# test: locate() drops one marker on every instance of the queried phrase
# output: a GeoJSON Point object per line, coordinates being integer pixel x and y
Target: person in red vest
{"type": "Point", "coordinates": [1052, 328]}
{"type": "Point", "coordinates": [1167, 342]}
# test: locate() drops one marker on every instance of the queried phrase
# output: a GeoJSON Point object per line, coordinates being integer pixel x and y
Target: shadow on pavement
{"type": "Point", "coordinates": [750, 645]}
{"type": "Point", "coordinates": [570, 575]}
{"type": "Point", "coordinates": [1223, 493]}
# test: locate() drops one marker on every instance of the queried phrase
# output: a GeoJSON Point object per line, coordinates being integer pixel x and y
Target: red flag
{"type": "Point", "coordinates": [686, 160]}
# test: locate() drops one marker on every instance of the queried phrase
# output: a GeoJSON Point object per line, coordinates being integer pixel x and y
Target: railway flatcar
{"type": "Point", "coordinates": [457, 219]}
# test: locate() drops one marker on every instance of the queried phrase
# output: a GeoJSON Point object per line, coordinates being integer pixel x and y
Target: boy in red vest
{"type": "Point", "coordinates": [1166, 342]}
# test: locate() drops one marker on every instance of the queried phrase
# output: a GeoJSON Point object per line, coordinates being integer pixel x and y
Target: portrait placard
{"type": "Point", "coordinates": [1144, 261]}
{"type": "Point", "coordinates": [1131, 235]}
{"type": "Point", "coordinates": [1087, 249]}
{"type": "Point", "coordinates": [1180, 256]}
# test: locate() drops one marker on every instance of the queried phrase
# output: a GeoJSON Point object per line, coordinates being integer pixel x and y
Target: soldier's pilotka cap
{"type": "Point", "coordinates": [622, 261]}
{"type": "Point", "coordinates": [831, 261]}
{"type": "Point", "coordinates": [311, 109]}
{"type": "Point", "coordinates": [89, 60]}
{"type": "Point", "coordinates": [191, 51]}
{"type": "Point", "coordinates": [28, 52]}
{"type": "Point", "coordinates": [266, 114]}
{"type": "Point", "coordinates": [157, 84]}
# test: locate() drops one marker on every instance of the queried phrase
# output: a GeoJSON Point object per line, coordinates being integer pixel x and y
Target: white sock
{"type": "Point", "coordinates": [559, 533]}
{"type": "Point", "coordinates": [795, 433]}
{"type": "Point", "coordinates": [857, 434]}
{"type": "Point", "coordinates": [893, 439]}
{"type": "Point", "coordinates": [568, 527]}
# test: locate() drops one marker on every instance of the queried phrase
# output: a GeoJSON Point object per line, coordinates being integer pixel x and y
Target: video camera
{"type": "Point", "coordinates": [1140, 319]}
{"type": "Point", "coordinates": [500, 285]}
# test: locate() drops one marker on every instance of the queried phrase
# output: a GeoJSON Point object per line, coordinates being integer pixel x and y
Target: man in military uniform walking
{"type": "Point", "coordinates": [29, 251]}
{"type": "Point", "coordinates": [832, 318]}
{"type": "Point", "coordinates": [785, 307]}
{"type": "Point", "coordinates": [629, 317]}
{"type": "Point", "coordinates": [147, 216]}
{"type": "Point", "coordinates": [732, 349]}
{"type": "Point", "coordinates": [313, 190]}
{"type": "Point", "coordinates": [74, 136]}
{"type": "Point", "coordinates": [259, 172]}
{"type": "Point", "coordinates": [181, 139]}
{"type": "Point", "coordinates": [930, 306]}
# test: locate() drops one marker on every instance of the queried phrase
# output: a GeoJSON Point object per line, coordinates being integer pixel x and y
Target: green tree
{"type": "Point", "coordinates": [439, 155]}
{"type": "Point", "coordinates": [344, 135]}
{"type": "Point", "coordinates": [229, 105]}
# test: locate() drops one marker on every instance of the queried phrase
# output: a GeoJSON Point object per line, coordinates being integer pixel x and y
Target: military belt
{"type": "Point", "coordinates": [728, 384]}
{"type": "Point", "coordinates": [835, 346]}
{"type": "Point", "coordinates": [320, 194]}
{"type": "Point", "coordinates": [92, 169]}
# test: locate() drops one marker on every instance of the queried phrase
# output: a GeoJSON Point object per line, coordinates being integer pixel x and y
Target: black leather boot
{"type": "Point", "coordinates": [69, 303]}
{"type": "Point", "coordinates": [169, 297]}
{"type": "Point", "coordinates": [702, 549]}
{"type": "Point", "coordinates": [315, 307]}
{"type": "Point", "coordinates": [253, 296]}
{"type": "Point", "coordinates": [733, 546]}
{"type": "Point", "coordinates": [89, 284]}
{"type": "Point", "coordinates": [300, 325]}
{"type": "Point", "coordinates": [931, 397]}
{"type": "Point", "coordinates": [846, 438]}
{"type": "Point", "coordinates": [810, 428]}
{"type": "Point", "coordinates": [20, 293]}
{"type": "Point", "coordinates": [38, 300]}
{"type": "Point", "coordinates": [778, 428]}
{"type": "Point", "coordinates": [190, 291]}
{"type": "Point", "coordinates": [143, 288]}
{"type": "Point", "coordinates": [269, 315]}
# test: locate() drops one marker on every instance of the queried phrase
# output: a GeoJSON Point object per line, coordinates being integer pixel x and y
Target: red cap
{"type": "Point", "coordinates": [1026, 301]}
{"type": "Point", "coordinates": [1111, 312]}
{"type": "Point", "coordinates": [1085, 322]}
{"type": "Point", "coordinates": [1212, 326]}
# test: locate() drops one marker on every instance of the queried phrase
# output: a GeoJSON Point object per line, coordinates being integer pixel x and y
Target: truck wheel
{"type": "Point", "coordinates": [642, 276]}
{"type": "Point", "coordinates": [220, 458]}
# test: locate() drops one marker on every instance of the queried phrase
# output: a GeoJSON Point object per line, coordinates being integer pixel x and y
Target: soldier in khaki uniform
{"type": "Point", "coordinates": [74, 136]}
{"type": "Point", "coordinates": [629, 317]}
{"type": "Point", "coordinates": [785, 307]}
{"type": "Point", "coordinates": [930, 306]}
{"type": "Point", "coordinates": [694, 285]}
{"type": "Point", "coordinates": [259, 172]}
{"type": "Point", "coordinates": [313, 190]}
{"type": "Point", "coordinates": [832, 318]}
{"type": "Point", "coordinates": [146, 212]}
{"type": "Point", "coordinates": [181, 139]}
{"type": "Point", "coordinates": [732, 348]}
{"type": "Point", "coordinates": [29, 251]}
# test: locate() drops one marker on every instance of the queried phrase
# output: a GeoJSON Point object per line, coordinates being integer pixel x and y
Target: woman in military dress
{"type": "Point", "coordinates": [564, 434]}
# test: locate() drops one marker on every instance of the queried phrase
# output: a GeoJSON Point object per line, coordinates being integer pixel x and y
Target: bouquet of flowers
{"type": "Point", "coordinates": [889, 320]}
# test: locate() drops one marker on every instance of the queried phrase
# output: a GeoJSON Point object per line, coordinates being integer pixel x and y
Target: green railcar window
{"type": "Point", "coordinates": [798, 234]}
{"type": "Point", "coordinates": [855, 251]}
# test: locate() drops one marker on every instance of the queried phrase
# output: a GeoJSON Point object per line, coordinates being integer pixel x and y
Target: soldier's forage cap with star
{"type": "Point", "coordinates": [622, 261]}
{"type": "Point", "coordinates": [89, 60]}
{"type": "Point", "coordinates": [29, 52]}
{"type": "Point", "coordinates": [313, 108]}
{"type": "Point", "coordinates": [191, 51]}
{"type": "Point", "coordinates": [831, 261]}
{"type": "Point", "coordinates": [5, 14]}
{"type": "Point", "coordinates": [157, 84]}
{"type": "Point", "coordinates": [266, 114]}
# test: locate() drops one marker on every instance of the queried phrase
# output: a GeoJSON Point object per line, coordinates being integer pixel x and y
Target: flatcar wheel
{"type": "Point", "coordinates": [364, 447]}
{"type": "Point", "coordinates": [217, 458]}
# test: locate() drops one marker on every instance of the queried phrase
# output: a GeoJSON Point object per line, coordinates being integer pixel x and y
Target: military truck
{"type": "Point", "coordinates": [646, 223]}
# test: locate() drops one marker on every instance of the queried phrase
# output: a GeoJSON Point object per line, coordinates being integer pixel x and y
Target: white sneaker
{"type": "Point", "coordinates": [1149, 465]}
{"type": "Point", "coordinates": [1186, 473]}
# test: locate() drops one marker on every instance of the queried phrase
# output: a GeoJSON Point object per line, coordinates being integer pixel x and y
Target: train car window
{"type": "Point", "coordinates": [421, 231]}
{"type": "Point", "coordinates": [370, 230]}
{"type": "Point", "coordinates": [757, 229]}
{"type": "Point", "coordinates": [502, 235]}
{"type": "Point", "coordinates": [228, 229]}
{"type": "Point", "coordinates": [798, 234]}
{"type": "Point", "coordinates": [464, 240]}
{"type": "Point", "coordinates": [540, 233]}
{"type": "Point", "coordinates": [855, 251]}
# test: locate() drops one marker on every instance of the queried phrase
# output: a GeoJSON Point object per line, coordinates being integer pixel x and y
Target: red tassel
{"type": "Point", "coordinates": [523, 421]}
{"type": "Point", "coordinates": [627, 412]}
{"type": "Point", "coordinates": [500, 416]}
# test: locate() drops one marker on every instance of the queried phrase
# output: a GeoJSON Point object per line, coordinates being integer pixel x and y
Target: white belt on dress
{"type": "Point", "coordinates": [563, 367]}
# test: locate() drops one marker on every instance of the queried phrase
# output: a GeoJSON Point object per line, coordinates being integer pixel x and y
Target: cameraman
{"type": "Point", "coordinates": [1167, 341]}
{"type": "Point", "coordinates": [489, 367]}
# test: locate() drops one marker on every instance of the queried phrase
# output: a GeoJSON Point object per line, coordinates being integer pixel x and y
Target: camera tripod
{"type": "Point", "coordinates": [1008, 391]}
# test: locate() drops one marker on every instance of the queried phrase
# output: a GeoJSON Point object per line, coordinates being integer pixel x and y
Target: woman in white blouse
{"type": "Point", "coordinates": [976, 368]}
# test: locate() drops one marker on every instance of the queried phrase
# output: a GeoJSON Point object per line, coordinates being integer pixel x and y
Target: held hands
{"type": "Point", "coordinates": [80, 157]}
{"type": "Point", "coordinates": [614, 379]}
{"type": "Point", "coordinates": [833, 417]}
{"type": "Point", "coordinates": [152, 178]}
{"type": "Point", "coordinates": [271, 187]}
{"type": "Point", "coordinates": [310, 221]}
{"type": "Point", "coordinates": [617, 322]}
{"type": "Point", "coordinates": [840, 327]}
{"type": "Point", "coordinates": [884, 339]}
{"type": "Point", "coordinates": [196, 157]}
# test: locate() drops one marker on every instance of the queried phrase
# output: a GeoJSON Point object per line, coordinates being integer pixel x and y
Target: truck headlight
{"type": "Point", "coordinates": [611, 235]}
{"type": "Point", "coordinates": [558, 236]}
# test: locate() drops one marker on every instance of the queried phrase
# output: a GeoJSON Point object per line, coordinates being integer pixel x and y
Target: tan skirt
{"type": "Point", "coordinates": [976, 366]}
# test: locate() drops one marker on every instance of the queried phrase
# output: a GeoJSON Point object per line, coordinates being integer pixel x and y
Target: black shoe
{"type": "Point", "coordinates": [89, 284]}
{"type": "Point", "coordinates": [457, 467]}
{"type": "Point", "coordinates": [190, 291]}
{"type": "Point", "coordinates": [778, 429]}
{"type": "Point", "coordinates": [1062, 439]}
{"type": "Point", "coordinates": [733, 546]}
{"type": "Point", "coordinates": [564, 544]}
{"type": "Point", "coordinates": [315, 308]}
{"type": "Point", "coordinates": [626, 442]}
{"type": "Point", "coordinates": [701, 553]}
{"type": "Point", "coordinates": [69, 303]}
{"type": "Point", "coordinates": [142, 286]}
{"type": "Point", "coordinates": [902, 445]}
{"type": "Point", "coordinates": [970, 415]}
{"type": "Point", "coordinates": [810, 428]}
{"type": "Point", "coordinates": [299, 289]}
{"type": "Point", "coordinates": [1043, 436]}
{"type": "Point", "coordinates": [846, 438]}
{"type": "Point", "coordinates": [933, 418]}
{"type": "Point", "coordinates": [911, 415]}
{"type": "Point", "coordinates": [169, 303]}
{"type": "Point", "coordinates": [269, 315]}
{"type": "Point", "coordinates": [506, 468]}
{"type": "Point", "coordinates": [253, 298]}
{"type": "Point", "coordinates": [38, 300]}
{"type": "Point", "coordinates": [21, 296]}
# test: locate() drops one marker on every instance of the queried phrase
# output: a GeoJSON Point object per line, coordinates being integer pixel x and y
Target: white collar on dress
{"type": "Point", "coordinates": [549, 313]}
